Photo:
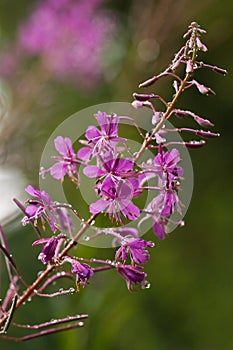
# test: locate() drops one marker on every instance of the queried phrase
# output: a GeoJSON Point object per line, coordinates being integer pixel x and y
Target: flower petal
{"type": "Point", "coordinates": [58, 170]}
{"type": "Point", "coordinates": [92, 133]}
{"type": "Point", "coordinates": [63, 145]}
{"type": "Point", "coordinates": [92, 171]}
{"type": "Point", "coordinates": [98, 206]}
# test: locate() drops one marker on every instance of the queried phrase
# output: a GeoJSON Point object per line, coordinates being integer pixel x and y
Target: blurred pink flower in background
{"type": "Point", "coordinates": [68, 36]}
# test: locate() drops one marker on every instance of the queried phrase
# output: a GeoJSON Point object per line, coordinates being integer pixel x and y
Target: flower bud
{"type": "Point", "coordinates": [200, 45]}
{"type": "Point", "coordinates": [207, 134]}
{"type": "Point", "coordinates": [137, 104]}
{"type": "Point", "coordinates": [189, 66]}
{"type": "Point", "coordinates": [143, 97]}
{"type": "Point", "coordinates": [202, 121]}
{"type": "Point", "coordinates": [194, 144]}
{"type": "Point", "coordinates": [149, 82]}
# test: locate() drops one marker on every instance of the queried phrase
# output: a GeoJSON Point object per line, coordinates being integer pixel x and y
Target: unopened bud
{"type": "Point", "coordinates": [175, 85]}
{"type": "Point", "coordinates": [219, 70]}
{"type": "Point", "coordinates": [202, 121]}
{"type": "Point", "coordinates": [144, 97]}
{"type": "Point", "coordinates": [149, 82]}
{"type": "Point", "coordinates": [200, 45]}
{"type": "Point", "coordinates": [207, 134]}
{"type": "Point", "coordinates": [194, 144]}
{"type": "Point", "coordinates": [156, 117]}
{"type": "Point", "coordinates": [137, 104]}
{"type": "Point", "coordinates": [204, 90]}
{"type": "Point", "coordinates": [189, 66]}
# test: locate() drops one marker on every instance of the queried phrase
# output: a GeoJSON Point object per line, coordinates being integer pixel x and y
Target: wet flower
{"type": "Point", "coordinates": [45, 209]}
{"type": "Point", "coordinates": [42, 207]}
{"type": "Point", "coordinates": [160, 209]}
{"type": "Point", "coordinates": [117, 200]}
{"type": "Point", "coordinates": [204, 90]}
{"type": "Point", "coordinates": [49, 251]}
{"type": "Point", "coordinates": [101, 140]}
{"type": "Point", "coordinates": [115, 168]}
{"type": "Point", "coordinates": [66, 163]}
{"type": "Point", "coordinates": [131, 274]}
{"type": "Point", "coordinates": [136, 248]}
{"type": "Point", "coordinates": [167, 163]}
{"type": "Point", "coordinates": [82, 271]}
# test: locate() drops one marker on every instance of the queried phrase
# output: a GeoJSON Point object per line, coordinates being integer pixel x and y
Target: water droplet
{"type": "Point", "coordinates": [71, 290]}
{"type": "Point", "coordinates": [145, 285]}
{"type": "Point", "coordinates": [53, 320]}
{"type": "Point", "coordinates": [61, 290]}
{"type": "Point", "coordinates": [93, 222]}
{"type": "Point", "coordinates": [108, 261]}
{"type": "Point", "coordinates": [86, 238]}
{"type": "Point", "coordinates": [80, 324]}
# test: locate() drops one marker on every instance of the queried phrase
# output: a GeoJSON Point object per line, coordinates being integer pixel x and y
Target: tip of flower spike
{"type": "Point", "coordinates": [148, 82]}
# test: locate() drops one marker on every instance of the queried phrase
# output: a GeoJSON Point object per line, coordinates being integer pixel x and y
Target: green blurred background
{"type": "Point", "coordinates": [189, 305]}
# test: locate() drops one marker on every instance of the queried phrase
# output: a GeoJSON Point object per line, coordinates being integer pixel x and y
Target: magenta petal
{"type": "Point", "coordinates": [159, 230]}
{"type": "Point", "coordinates": [102, 119]}
{"type": "Point", "coordinates": [172, 157]}
{"type": "Point", "coordinates": [31, 210]}
{"type": "Point", "coordinates": [99, 206]}
{"type": "Point", "coordinates": [63, 145]}
{"type": "Point", "coordinates": [92, 171]}
{"type": "Point", "coordinates": [32, 191]}
{"type": "Point", "coordinates": [84, 153]}
{"type": "Point", "coordinates": [41, 241]}
{"type": "Point", "coordinates": [131, 211]}
{"type": "Point", "coordinates": [92, 133]}
{"type": "Point", "coordinates": [58, 170]}
{"type": "Point", "coordinates": [124, 165]}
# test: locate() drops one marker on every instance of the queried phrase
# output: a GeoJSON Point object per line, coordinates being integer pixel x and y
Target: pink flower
{"type": "Point", "coordinates": [66, 163]}
{"type": "Point", "coordinates": [50, 248]}
{"type": "Point", "coordinates": [136, 248]}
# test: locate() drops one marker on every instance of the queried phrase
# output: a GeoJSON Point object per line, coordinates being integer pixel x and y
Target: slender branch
{"type": "Point", "coordinates": [43, 333]}
{"type": "Point", "coordinates": [31, 289]}
{"type": "Point", "coordinates": [10, 315]}
{"type": "Point", "coordinates": [54, 322]}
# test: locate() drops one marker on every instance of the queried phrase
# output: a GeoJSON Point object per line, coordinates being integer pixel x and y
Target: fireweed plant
{"type": "Point", "coordinates": [120, 176]}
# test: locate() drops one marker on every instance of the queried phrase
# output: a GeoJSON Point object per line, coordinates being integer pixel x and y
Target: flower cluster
{"type": "Point", "coordinates": [121, 178]}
